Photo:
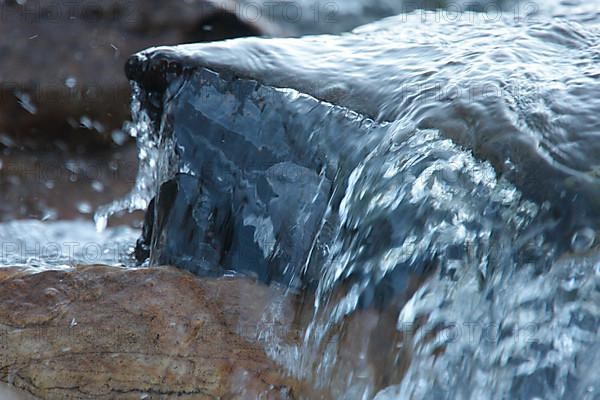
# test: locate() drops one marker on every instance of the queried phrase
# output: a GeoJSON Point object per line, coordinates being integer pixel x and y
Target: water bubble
{"type": "Point", "coordinates": [70, 82]}
{"type": "Point", "coordinates": [84, 207]}
{"type": "Point", "coordinates": [583, 240]}
{"type": "Point", "coordinates": [98, 186]}
{"type": "Point", "coordinates": [119, 137]}
{"type": "Point", "coordinates": [26, 102]}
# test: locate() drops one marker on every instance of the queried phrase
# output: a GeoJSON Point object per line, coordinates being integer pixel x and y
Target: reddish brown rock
{"type": "Point", "coordinates": [103, 333]}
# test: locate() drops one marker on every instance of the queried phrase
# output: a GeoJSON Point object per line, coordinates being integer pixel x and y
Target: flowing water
{"type": "Point", "coordinates": [476, 206]}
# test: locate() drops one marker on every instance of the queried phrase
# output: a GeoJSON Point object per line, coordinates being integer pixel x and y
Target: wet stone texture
{"type": "Point", "coordinates": [255, 183]}
{"type": "Point", "coordinates": [100, 332]}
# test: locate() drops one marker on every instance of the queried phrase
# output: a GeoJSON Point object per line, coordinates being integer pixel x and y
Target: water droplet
{"type": "Point", "coordinates": [101, 222]}
{"type": "Point", "coordinates": [26, 102]}
{"type": "Point", "coordinates": [6, 140]}
{"type": "Point", "coordinates": [119, 137]}
{"type": "Point", "coordinates": [98, 186]}
{"type": "Point", "coordinates": [49, 214]}
{"type": "Point", "coordinates": [571, 283]}
{"type": "Point", "coordinates": [84, 207]}
{"type": "Point", "coordinates": [70, 82]}
{"type": "Point", "coordinates": [86, 122]}
{"type": "Point", "coordinates": [583, 240]}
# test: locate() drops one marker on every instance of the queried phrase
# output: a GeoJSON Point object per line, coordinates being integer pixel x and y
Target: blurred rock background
{"type": "Point", "coordinates": [64, 96]}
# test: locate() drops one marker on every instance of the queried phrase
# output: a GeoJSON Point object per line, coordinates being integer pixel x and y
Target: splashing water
{"type": "Point", "coordinates": [427, 196]}
{"type": "Point", "coordinates": [483, 298]}
{"type": "Point", "coordinates": [61, 244]}
{"type": "Point", "coordinates": [149, 154]}
{"type": "Point", "coordinates": [437, 275]}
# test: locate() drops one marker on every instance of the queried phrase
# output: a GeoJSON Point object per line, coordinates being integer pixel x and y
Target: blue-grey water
{"type": "Point", "coordinates": [485, 174]}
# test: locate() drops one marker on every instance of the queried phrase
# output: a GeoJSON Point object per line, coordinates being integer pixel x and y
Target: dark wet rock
{"type": "Point", "coordinates": [255, 194]}
{"type": "Point", "coordinates": [103, 333]}
{"type": "Point", "coordinates": [537, 134]}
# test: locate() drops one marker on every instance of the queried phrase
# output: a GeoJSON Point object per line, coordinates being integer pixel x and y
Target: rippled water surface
{"type": "Point", "coordinates": [475, 209]}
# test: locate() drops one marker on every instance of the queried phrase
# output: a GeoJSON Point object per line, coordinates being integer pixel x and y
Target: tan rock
{"type": "Point", "coordinates": [104, 332]}
{"type": "Point", "coordinates": [9, 392]}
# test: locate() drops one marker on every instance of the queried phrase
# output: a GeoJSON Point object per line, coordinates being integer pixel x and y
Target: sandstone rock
{"type": "Point", "coordinates": [8, 392]}
{"type": "Point", "coordinates": [100, 332]}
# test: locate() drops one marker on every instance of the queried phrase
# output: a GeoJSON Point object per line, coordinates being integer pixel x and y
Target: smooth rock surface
{"type": "Point", "coordinates": [100, 332]}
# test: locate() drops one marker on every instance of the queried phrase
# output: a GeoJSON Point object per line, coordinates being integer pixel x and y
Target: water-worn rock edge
{"type": "Point", "coordinates": [101, 332]}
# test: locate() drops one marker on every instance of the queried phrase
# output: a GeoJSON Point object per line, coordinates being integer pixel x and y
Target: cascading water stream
{"type": "Point", "coordinates": [418, 204]}
{"type": "Point", "coordinates": [455, 283]}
